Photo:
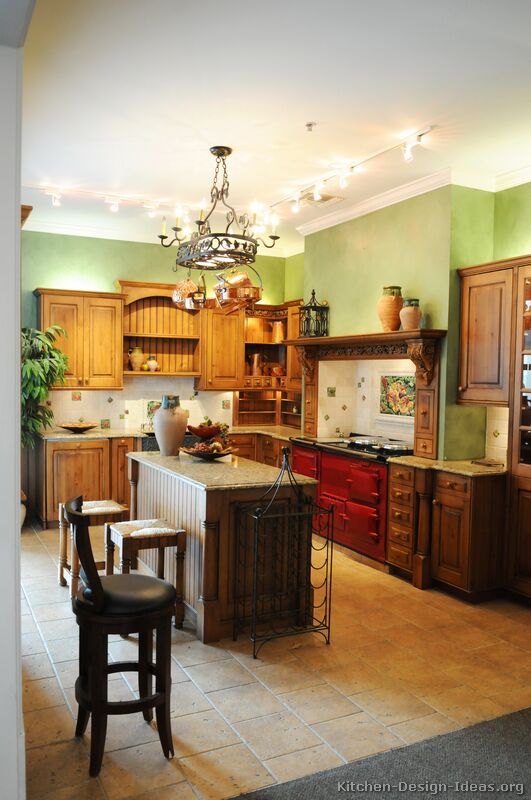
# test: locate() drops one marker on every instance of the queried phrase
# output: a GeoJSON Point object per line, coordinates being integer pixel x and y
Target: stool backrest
{"type": "Point", "coordinates": [80, 526]}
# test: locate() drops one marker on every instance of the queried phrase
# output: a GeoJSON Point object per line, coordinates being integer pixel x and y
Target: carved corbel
{"type": "Point", "coordinates": [308, 359]}
{"type": "Point", "coordinates": [423, 354]}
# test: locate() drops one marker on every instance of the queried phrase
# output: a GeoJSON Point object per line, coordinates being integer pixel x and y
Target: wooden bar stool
{"type": "Point", "coordinates": [101, 511]}
{"type": "Point", "coordinates": [147, 534]}
{"type": "Point", "coordinates": [119, 604]}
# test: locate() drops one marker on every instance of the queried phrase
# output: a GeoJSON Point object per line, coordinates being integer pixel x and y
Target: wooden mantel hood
{"type": "Point", "coordinates": [420, 346]}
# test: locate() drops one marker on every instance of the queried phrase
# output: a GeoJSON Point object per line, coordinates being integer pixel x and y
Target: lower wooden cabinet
{"type": "Point", "coordinates": [467, 531]}
{"type": "Point", "coordinates": [268, 450]}
{"type": "Point", "coordinates": [519, 555]}
{"type": "Point", "coordinates": [94, 468]}
{"type": "Point", "coordinates": [120, 488]}
{"type": "Point", "coordinates": [244, 443]}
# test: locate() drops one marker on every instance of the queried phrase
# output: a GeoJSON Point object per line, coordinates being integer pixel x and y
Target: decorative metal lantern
{"type": "Point", "coordinates": [313, 318]}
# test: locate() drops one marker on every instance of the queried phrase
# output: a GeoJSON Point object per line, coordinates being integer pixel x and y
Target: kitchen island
{"type": "Point", "coordinates": [202, 497]}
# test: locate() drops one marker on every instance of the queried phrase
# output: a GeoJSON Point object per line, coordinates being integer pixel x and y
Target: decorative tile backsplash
{"type": "Point", "coordinates": [355, 404]}
{"type": "Point", "coordinates": [497, 433]}
{"type": "Point", "coordinates": [128, 408]}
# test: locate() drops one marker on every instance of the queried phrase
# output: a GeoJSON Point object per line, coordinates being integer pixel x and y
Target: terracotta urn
{"type": "Point", "coordinates": [169, 424]}
{"type": "Point", "coordinates": [389, 306]}
{"type": "Point", "coordinates": [410, 314]}
{"type": "Point", "coordinates": [136, 358]}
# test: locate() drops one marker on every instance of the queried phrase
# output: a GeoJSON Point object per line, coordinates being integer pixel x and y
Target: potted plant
{"type": "Point", "coordinates": [43, 365]}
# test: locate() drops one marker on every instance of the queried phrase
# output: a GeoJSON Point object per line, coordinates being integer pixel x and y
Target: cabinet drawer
{"type": "Point", "coordinates": [245, 451]}
{"type": "Point", "coordinates": [454, 483]}
{"type": "Point", "coordinates": [241, 439]}
{"type": "Point", "coordinates": [424, 447]}
{"type": "Point", "coordinates": [283, 382]}
{"type": "Point", "coordinates": [310, 427]}
{"type": "Point", "coordinates": [402, 474]}
{"type": "Point", "coordinates": [401, 494]}
{"type": "Point", "coordinates": [247, 383]}
{"type": "Point", "coordinates": [399, 556]}
{"type": "Point", "coordinates": [401, 514]}
{"type": "Point", "coordinates": [400, 536]}
{"type": "Point", "coordinates": [426, 412]}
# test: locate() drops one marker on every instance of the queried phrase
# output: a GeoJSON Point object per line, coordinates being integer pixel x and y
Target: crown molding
{"type": "Point", "coordinates": [90, 231]}
{"type": "Point", "coordinates": [506, 180]}
{"type": "Point", "coordinates": [412, 189]}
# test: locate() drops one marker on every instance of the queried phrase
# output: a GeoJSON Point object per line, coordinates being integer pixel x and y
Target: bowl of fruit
{"type": "Point", "coordinates": [207, 452]}
{"type": "Point", "coordinates": [206, 430]}
{"type": "Point", "coordinates": [214, 441]}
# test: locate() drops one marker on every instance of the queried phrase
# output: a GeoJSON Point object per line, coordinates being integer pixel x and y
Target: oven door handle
{"type": "Point", "coordinates": [375, 534]}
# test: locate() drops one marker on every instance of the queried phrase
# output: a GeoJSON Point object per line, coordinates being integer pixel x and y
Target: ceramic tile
{"type": "Point", "coordinates": [178, 791]}
{"type": "Point", "coordinates": [356, 677]}
{"type": "Point", "coordinates": [27, 624]}
{"type": "Point", "coordinates": [52, 611]}
{"type": "Point", "coordinates": [390, 706]}
{"type": "Point", "coordinates": [245, 702]}
{"type": "Point", "coordinates": [48, 726]}
{"type": "Point", "coordinates": [286, 677]}
{"type": "Point", "coordinates": [465, 706]}
{"type": "Point", "coordinates": [303, 762]}
{"type": "Point", "coordinates": [31, 643]}
{"type": "Point", "coordinates": [514, 699]}
{"type": "Point", "coordinates": [219, 675]}
{"type": "Point", "coordinates": [188, 654]}
{"type": "Point", "coordinates": [187, 699]}
{"type": "Point", "coordinates": [276, 734]}
{"type": "Point", "coordinates": [319, 703]}
{"type": "Point", "coordinates": [86, 791]}
{"type": "Point", "coordinates": [43, 693]}
{"type": "Point", "coordinates": [416, 730]}
{"type": "Point", "coordinates": [55, 767]}
{"type": "Point", "coordinates": [129, 772]}
{"type": "Point", "coordinates": [197, 733]}
{"type": "Point", "coordinates": [36, 667]}
{"type": "Point", "coordinates": [356, 736]}
{"type": "Point", "coordinates": [59, 628]}
{"type": "Point", "coordinates": [64, 649]}
{"type": "Point", "coordinates": [227, 772]}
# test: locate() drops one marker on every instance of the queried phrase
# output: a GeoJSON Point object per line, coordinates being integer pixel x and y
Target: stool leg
{"type": "Point", "coordinates": [109, 551]}
{"type": "Point", "coordinates": [160, 562]}
{"type": "Point", "coordinates": [163, 684]}
{"type": "Point", "coordinates": [62, 546]}
{"type": "Point", "coordinates": [145, 657]}
{"type": "Point", "coordinates": [83, 715]}
{"type": "Point", "coordinates": [74, 565]}
{"type": "Point", "coordinates": [98, 700]}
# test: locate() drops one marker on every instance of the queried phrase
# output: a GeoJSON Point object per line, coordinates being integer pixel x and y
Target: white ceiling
{"type": "Point", "coordinates": [126, 97]}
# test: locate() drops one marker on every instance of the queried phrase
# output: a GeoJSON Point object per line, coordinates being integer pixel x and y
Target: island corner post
{"type": "Point", "coordinates": [202, 498]}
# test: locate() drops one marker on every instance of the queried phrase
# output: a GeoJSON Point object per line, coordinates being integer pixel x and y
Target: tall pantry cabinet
{"type": "Point", "coordinates": [495, 369]}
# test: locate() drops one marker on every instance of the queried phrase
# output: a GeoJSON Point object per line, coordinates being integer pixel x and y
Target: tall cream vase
{"type": "Point", "coordinates": [169, 424]}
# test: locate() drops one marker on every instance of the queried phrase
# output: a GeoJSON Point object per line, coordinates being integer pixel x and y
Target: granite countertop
{"type": "Point", "coordinates": [58, 434]}
{"type": "Point", "coordinates": [456, 467]}
{"type": "Point", "coordinates": [282, 432]}
{"type": "Point", "coordinates": [230, 472]}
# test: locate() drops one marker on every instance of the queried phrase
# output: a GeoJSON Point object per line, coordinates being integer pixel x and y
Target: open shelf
{"type": "Point", "coordinates": [161, 336]}
{"type": "Point", "coordinates": [146, 373]}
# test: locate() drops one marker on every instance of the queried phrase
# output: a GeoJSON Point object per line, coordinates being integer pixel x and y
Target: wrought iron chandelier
{"type": "Point", "coordinates": [205, 250]}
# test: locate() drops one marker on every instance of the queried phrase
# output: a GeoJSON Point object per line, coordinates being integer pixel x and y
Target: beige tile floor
{"type": "Point", "coordinates": [403, 666]}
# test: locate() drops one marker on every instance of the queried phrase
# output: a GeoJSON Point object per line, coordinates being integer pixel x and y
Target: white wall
{"type": "Point", "coordinates": [11, 726]}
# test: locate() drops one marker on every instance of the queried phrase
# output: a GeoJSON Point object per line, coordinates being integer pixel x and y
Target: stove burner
{"type": "Point", "coordinates": [368, 441]}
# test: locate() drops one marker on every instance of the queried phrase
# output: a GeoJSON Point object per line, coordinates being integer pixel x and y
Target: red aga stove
{"type": "Point", "coordinates": [352, 476]}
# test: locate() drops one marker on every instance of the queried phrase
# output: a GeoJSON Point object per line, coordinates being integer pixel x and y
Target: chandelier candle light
{"type": "Point", "coordinates": [205, 250]}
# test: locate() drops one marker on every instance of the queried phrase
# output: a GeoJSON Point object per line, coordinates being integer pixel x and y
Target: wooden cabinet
{"type": "Point", "coordinates": [223, 360]}
{"type": "Point", "coordinates": [245, 443]}
{"type": "Point", "coordinates": [485, 341]}
{"type": "Point", "coordinates": [467, 531]}
{"type": "Point", "coordinates": [120, 487]}
{"type": "Point", "coordinates": [70, 468]}
{"type": "Point", "coordinates": [268, 450]}
{"type": "Point", "coordinates": [93, 344]}
{"type": "Point", "coordinates": [519, 555]}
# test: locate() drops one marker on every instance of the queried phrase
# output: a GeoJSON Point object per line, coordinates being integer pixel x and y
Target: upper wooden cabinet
{"type": "Point", "coordinates": [93, 344]}
{"type": "Point", "coordinates": [486, 326]}
{"type": "Point", "coordinates": [293, 365]}
{"type": "Point", "coordinates": [223, 350]}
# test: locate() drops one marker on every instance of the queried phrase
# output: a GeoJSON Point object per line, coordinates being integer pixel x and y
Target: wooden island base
{"type": "Point", "coordinates": [201, 497]}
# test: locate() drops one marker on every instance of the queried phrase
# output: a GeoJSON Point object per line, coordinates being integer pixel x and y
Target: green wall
{"type": "Point", "coordinates": [512, 222]}
{"type": "Point", "coordinates": [406, 244]}
{"type": "Point", "coordinates": [294, 277]}
{"type": "Point", "coordinates": [54, 261]}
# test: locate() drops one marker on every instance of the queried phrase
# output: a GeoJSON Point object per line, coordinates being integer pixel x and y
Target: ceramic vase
{"type": "Point", "coordinates": [389, 306]}
{"type": "Point", "coordinates": [152, 363]}
{"type": "Point", "coordinates": [410, 314]}
{"type": "Point", "coordinates": [169, 424]}
{"type": "Point", "coordinates": [136, 358]}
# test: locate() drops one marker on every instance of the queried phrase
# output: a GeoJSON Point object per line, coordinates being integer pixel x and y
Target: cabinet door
{"type": "Point", "coordinates": [293, 366]}
{"type": "Point", "coordinates": [486, 306]}
{"type": "Point", "coordinates": [224, 351]}
{"type": "Point", "coordinates": [120, 487]}
{"type": "Point", "coordinates": [76, 468]}
{"type": "Point", "coordinates": [305, 461]}
{"type": "Point", "coordinates": [68, 313]}
{"type": "Point", "coordinates": [245, 444]}
{"type": "Point", "coordinates": [103, 348]}
{"type": "Point", "coordinates": [268, 451]}
{"type": "Point", "coordinates": [450, 539]}
{"type": "Point", "coordinates": [520, 543]}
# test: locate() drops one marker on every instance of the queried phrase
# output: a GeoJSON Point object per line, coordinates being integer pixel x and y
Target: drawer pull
{"type": "Point", "coordinates": [399, 474]}
{"type": "Point", "coordinates": [397, 515]}
{"type": "Point", "coordinates": [423, 445]}
{"type": "Point", "coordinates": [435, 502]}
{"type": "Point", "coordinates": [423, 412]}
{"type": "Point", "coordinates": [450, 485]}
{"type": "Point", "coordinates": [399, 494]}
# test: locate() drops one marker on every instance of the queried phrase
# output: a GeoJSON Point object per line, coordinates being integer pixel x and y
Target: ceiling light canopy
{"type": "Point", "coordinates": [237, 245]}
